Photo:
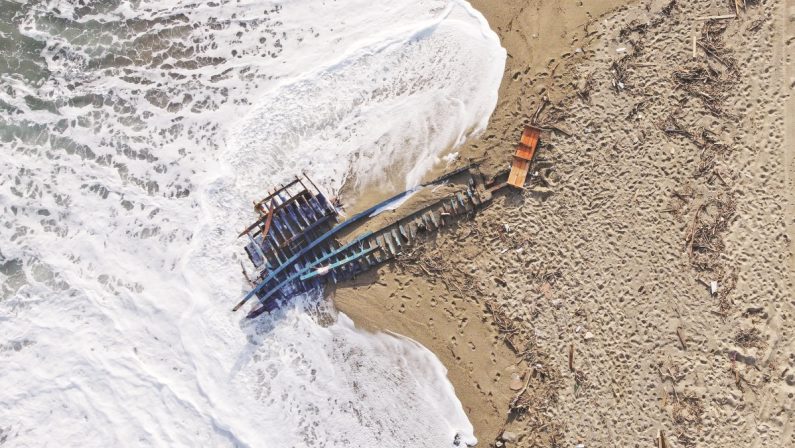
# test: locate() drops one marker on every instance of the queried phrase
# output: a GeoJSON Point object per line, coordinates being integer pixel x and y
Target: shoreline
{"type": "Point", "coordinates": [594, 294]}
{"type": "Point", "coordinates": [481, 378]}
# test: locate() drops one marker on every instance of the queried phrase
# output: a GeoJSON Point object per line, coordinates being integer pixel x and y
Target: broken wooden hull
{"type": "Point", "coordinates": [294, 244]}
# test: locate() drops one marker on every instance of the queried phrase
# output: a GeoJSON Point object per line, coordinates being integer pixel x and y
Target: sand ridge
{"type": "Point", "coordinates": [669, 175]}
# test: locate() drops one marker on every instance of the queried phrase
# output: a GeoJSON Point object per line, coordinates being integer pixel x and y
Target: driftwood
{"type": "Point", "coordinates": [680, 333]}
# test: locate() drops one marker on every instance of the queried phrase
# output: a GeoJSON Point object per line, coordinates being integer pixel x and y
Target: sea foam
{"type": "Point", "coordinates": [134, 136]}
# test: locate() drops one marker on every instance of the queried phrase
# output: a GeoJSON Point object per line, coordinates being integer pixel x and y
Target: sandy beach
{"type": "Point", "coordinates": [641, 286]}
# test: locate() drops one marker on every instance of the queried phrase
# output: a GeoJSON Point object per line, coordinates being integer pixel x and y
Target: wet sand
{"type": "Point", "coordinates": [591, 291]}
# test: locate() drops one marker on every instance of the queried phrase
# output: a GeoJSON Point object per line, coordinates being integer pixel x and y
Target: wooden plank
{"type": "Point", "coordinates": [304, 232]}
{"type": "Point", "coordinates": [258, 249]}
{"type": "Point", "coordinates": [472, 197]}
{"type": "Point", "coordinates": [530, 136]}
{"type": "Point", "coordinates": [524, 152]}
{"type": "Point", "coordinates": [270, 196]}
{"type": "Point", "coordinates": [413, 230]}
{"type": "Point", "coordinates": [433, 219]}
{"type": "Point", "coordinates": [396, 237]}
{"type": "Point", "coordinates": [276, 208]}
{"type": "Point", "coordinates": [523, 156]}
{"type": "Point", "coordinates": [723, 17]}
{"type": "Point", "coordinates": [323, 270]}
{"type": "Point", "coordinates": [460, 198]}
{"type": "Point", "coordinates": [455, 208]}
{"type": "Point", "coordinates": [392, 249]}
{"type": "Point", "coordinates": [518, 173]}
{"type": "Point", "coordinates": [404, 233]}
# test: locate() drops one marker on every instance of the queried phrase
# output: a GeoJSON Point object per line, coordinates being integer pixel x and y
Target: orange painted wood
{"type": "Point", "coordinates": [523, 152]}
{"type": "Point", "coordinates": [518, 172]}
{"type": "Point", "coordinates": [523, 156]}
{"type": "Point", "coordinates": [530, 137]}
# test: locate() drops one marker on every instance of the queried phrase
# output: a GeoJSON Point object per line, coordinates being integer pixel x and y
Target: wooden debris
{"type": "Point", "coordinates": [722, 17]}
{"type": "Point", "coordinates": [571, 357]}
{"type": "Point", "coordinates": [525, 151]}
{"type": "Point", "coordinates": [681, 334]}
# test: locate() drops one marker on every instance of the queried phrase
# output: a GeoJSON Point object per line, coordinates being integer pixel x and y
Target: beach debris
{"type": "Point", "coordinates": [588, 336]}
{"type": "Point", "coordinates": [680, 333]}
{"type": "Point", "coordinates": [546, 290]}
{"type": "Point", "coordinates": [661, 440]}
{"type": "Point", "coordinates": [704, 240]}
{"type": "Point", "coordinates": [584, 87]}
{"type": "Point", "coordinates": [713, 287]}
{"type": "Point", "coordinates": [619, 71]}
{"type": "Point", "coordinates": [721, 17]}
{"type": "Point", "coordinates": [523, 156]}
{"type": "Point", "coordinates": [509, 436]}
{"type": "Point", "coordinates": [580, 379]}
{"type": "Point", "coordinates": [751, 337]}
{"type": "Point", "coordinates": [571, 357]}
{"type": "Point", "coordinates": [738, 5]}
{"type": "Point", "coordinates": [294, 244]}
{"type": "Point", "coordinates": [516, 381]}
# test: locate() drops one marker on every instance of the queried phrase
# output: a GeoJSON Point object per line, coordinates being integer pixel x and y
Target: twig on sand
{"type": "Point", "coordinates": [738, 4]}
{"type": "Point", "coordinates": [723, 17]}
{"type": "Point", "coordinates": [518, 396]}
{"type": "Point", "coordinates": [571, 357]}
{"type": "Point", "coordinates": [661, 440]}
{"type": "Point", "coordinates": [555, 128]}
{"type": "Point", "coordinates": [541, 106]}
{"type": "Point", "coordinates": [692, 233]}
{"type": "Point", "coordinates": [681, 335]}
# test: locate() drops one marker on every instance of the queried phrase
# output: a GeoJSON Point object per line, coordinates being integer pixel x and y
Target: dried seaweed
{"type": "Point", "coordinates": [705, 239]}
{"type": "Point", "coordinates": [711, 41]}
{"type": "Point", "coordinates": [750, 338]}
{"type": "Point", "coordinates": [707, 141]}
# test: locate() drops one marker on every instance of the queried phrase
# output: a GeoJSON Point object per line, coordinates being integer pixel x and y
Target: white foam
{"type": "Point", "coordinates": [127, 172]}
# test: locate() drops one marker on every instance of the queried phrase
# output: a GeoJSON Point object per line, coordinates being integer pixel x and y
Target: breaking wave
{"type": "Point", "coordinates": [134, 135]}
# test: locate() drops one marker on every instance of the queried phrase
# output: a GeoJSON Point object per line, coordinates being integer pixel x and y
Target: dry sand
{"type": "Point", "coordinates": [593, 284]}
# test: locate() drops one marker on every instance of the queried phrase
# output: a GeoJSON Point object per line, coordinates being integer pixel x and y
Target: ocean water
{"type": "Point", "coordinates": [133, 136]}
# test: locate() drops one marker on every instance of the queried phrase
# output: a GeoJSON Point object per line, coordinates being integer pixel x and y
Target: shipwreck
{"type": "Point", "coordinates": [298, 242]}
